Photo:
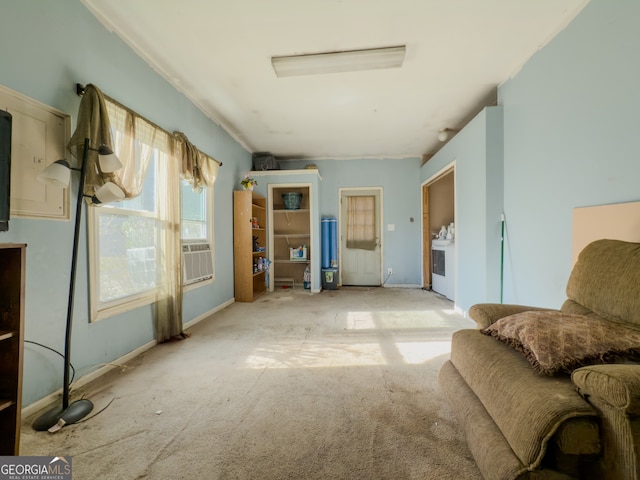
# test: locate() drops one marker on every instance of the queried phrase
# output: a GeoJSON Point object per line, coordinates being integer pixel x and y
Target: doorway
{"type": "Point", "coordinates": [438, 210]}
{"type": "Point", "coordinates": [360, 236]}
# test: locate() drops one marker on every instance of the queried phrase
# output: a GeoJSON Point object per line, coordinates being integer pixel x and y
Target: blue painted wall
{"type": "Point", "coordinates": [566, 137]}
{"type": "Point", "coordinates": [400, 180]}
{"type": "Point", "coordinates": [46, 48]}
{"type": "Point", "coordinates": [476, 152]}
{"type": "Point", "coordinates": [570, 140]}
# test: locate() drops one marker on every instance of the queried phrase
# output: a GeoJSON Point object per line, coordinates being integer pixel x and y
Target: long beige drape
{"type": "Point", "coordinates": [168, 305]}
{"type": "Point", "coordinates": [361, 222]}
{"type": "Point", "coordinates": [136, 141]}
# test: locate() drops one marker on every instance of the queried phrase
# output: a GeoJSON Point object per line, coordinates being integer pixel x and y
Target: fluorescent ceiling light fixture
{"type": "Point", "coordinates": [337, 62]}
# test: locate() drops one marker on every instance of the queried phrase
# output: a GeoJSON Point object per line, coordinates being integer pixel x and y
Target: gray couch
{"type": "Point", "coordinates": [582, 423]}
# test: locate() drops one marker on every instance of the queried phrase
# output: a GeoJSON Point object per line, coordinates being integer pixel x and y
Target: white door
{"type": "Point", "coordinates": [360, 237]}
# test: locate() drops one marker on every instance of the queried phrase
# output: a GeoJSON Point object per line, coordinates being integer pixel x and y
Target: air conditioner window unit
{"type": "Point", "coordinates": [197, 262]}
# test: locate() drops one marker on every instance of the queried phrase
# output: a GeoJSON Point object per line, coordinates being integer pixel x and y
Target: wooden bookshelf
{"type": "Point", "coordinates": [249, 244]}
{"type": "Point", "coordinates": [12, 284]}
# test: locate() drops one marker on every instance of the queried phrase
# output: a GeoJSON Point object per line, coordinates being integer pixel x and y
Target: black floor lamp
{"type": "Point", "coordinates": [58, 173]}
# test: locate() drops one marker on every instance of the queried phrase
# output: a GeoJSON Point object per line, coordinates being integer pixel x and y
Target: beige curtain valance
{"type": "Point", "coordinates": [98, 113]}
{"type": "Point", "coordinates": [198, 168]}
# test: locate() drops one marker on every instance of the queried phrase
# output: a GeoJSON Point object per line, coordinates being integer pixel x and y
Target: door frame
{"type": "Point", "coordinates": [425, 218]}
{"type": "Point", "coordinates": [341, 192]}
{"type": "Point", "coordinates": [313, 230]}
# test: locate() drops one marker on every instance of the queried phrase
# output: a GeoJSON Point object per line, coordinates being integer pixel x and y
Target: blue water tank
{"type": "Point", "coordinates": [329, 242]}
{"type": "Point", "coordinates": [325, 259]}
{"type": "Point", "coordinates": [333, 242]}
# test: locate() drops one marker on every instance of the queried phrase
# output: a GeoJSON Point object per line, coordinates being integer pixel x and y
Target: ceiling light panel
{"type": "Point", "coordinates": [337, 62]}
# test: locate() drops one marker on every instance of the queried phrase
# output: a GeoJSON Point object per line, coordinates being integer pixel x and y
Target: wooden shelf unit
{"type": "Point", "coordinates": [291, 229]}
{"type": "Point", "coordinates": [249, 282]}
{"type": "Point", "coordinates": [12, 285]}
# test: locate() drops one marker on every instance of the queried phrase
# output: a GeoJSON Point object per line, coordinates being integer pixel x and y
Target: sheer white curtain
{"type": "Point", "coordinates": [136, 140]}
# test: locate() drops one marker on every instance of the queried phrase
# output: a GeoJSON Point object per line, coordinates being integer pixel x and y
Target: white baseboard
{"type": "Point", "coordinates": [55, 396]}
{"type": "Point", "coordinates": [52, 397]}
{"type": "Point", "coordinates": [199, 318]}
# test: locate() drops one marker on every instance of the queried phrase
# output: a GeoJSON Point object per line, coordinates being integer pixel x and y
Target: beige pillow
{"type": "Point", "coordinates": [556, 342]}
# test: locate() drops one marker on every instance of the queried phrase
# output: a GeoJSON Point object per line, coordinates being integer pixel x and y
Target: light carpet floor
{"type": "Point", "coordinates": [336, 385]}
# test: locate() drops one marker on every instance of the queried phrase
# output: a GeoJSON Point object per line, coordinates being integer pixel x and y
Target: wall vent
{"type": "Point", "coordinates": [197, 262]}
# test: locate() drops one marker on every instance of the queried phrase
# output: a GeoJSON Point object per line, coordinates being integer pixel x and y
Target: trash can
{"type": "Point", "coordinates": [329, 278]}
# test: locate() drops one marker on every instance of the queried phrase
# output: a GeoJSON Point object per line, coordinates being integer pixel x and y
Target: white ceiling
{"type": "Point", "coordinates": [218, 53]}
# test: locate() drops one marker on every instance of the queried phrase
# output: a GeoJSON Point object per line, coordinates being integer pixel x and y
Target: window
{"type": "Point", "coordinates": [134, 245]}
{"type": "Point", "coordinates": [361, 222]}
{"type": "Point", "coordinates": [125, 262]}
{"type": "Point", "coordinates": [194, 217]}
{"type": "Point", "coordinates": [196, 233]}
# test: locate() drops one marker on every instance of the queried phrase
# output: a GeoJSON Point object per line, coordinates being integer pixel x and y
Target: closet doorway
{"type": "Point", "coordinates": [438, 210]}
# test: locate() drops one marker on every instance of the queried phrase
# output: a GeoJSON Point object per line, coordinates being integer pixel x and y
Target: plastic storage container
{"type": "Point", "coordinates": [264, 161]}
{"type": "Point", "coordinates": [292, 200]}
{"type": "Point", "coordinates": [307, 278]}
{"type": "Point", "coordinates": [330, 278]}
{"type": "Point", "coordinates": [298, 254]}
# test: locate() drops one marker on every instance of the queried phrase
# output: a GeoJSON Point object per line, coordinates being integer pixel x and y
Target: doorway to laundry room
{"type": "Point", "coordinates": [438, 233]}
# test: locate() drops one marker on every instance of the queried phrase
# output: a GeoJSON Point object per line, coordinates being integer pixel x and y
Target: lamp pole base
{"type": "Point", "coordinates": [73, 413]}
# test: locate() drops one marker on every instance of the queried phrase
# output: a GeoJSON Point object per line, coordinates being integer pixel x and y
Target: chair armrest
{"type": "Point", "coordinates": [614, 384]}
{"type": "Point", "coordinates": [484, 314]}
{"type": "Point", "coordinates": [614, 390]}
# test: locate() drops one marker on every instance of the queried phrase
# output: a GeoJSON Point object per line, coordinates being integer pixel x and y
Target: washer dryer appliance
{"type": "Point", "coordinates": [443, 267]}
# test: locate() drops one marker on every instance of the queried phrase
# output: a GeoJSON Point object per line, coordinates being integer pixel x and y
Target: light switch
{"type": "Point", "coordinates": [391, 227]}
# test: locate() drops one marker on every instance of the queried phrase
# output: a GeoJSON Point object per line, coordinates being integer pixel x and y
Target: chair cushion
{"type": "Point", "coordinates": [560, 342]}
{"type": "Point", "coordinates": [527, 407]}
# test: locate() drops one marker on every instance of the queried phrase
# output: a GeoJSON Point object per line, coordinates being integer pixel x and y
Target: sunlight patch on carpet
{"type": "Point", "coordinates": [330, 355]}
{"type": "Point", "coordinates": [394, 320]}
{"type": "Point", "coordinates": [415, 353]}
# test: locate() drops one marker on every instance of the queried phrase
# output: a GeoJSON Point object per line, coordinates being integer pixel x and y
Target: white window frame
{"type": "Point", "coordinates": [102, 310]}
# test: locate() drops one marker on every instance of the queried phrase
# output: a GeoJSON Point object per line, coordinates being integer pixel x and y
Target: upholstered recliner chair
{"type": "Point", "coordinates": [555, 394]}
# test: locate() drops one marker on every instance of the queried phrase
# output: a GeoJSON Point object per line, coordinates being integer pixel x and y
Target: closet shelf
{"type": "Point", "coordinates": [284, 210]}
{"type": "Point", "coordinates": [291, 235]}
{"type": "Point", "coordinates": [5, 403]}
{"type": "Point", "coordinates": [5, 335]}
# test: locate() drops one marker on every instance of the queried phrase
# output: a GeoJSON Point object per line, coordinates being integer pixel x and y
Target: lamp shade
{"type": "Point", "coordinates": [58, 174]}
{"type": "Point", "coordinates": [107, 193]}
{"type": "Point", "coordinates": [108, 160]}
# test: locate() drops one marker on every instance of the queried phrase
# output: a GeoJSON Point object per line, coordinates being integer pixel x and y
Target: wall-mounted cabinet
{"type": "Point", "coordinates": [12, 277]}
{"type": "Point", "coordinates": [292, 245]}
{"type": "Point", "coordinates": [249, 244]}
